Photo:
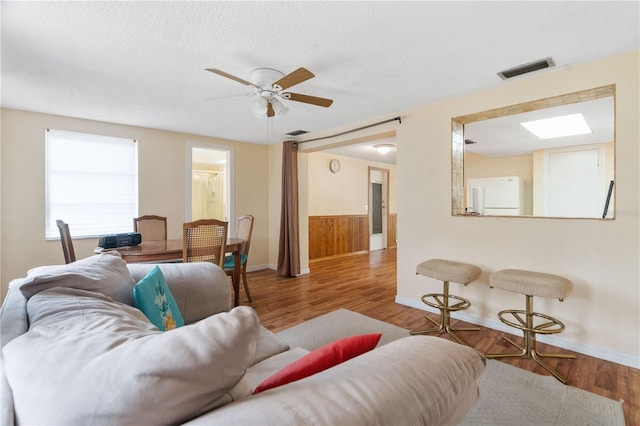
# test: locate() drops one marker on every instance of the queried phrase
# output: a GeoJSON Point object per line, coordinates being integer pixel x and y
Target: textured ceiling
{"type": "Point", "coordinates": [143, 63]}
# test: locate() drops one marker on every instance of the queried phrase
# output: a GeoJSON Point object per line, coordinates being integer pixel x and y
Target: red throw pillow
{"type": "Point", "coordinates": [319, 360]}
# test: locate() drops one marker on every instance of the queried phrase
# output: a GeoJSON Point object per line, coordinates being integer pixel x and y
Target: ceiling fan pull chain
{"type": "Point", "coordinates": [270, 131]}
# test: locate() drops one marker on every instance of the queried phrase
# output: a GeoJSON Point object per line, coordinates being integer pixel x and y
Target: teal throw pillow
{"type": "Point", "coordinates": [152, 296]}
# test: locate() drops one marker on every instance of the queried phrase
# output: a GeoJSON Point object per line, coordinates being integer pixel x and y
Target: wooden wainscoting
{"type": "Point", "coordinates": [331, 236]}
{"type": "Point", "coordinates": [392, 233]}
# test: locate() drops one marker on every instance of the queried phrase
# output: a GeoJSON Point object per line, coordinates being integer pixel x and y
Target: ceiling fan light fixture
{"type": "Point", "coordinates": [384, 148]}
{"type": "Point", "coordinates": [259, 107]}
{"type": "Point", "coordinates": [279, 108]}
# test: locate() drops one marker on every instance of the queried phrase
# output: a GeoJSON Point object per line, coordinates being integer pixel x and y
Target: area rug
{"type": "Point", "coordinates": [508, 395]}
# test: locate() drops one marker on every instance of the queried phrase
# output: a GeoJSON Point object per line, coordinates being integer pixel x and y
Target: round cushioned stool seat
{"type": "Point", "coordinates": [531, 283]}
{"type": "Point", "coordinates": [448, 270]}
{"type": "Point", "coordinates": [530, 322]}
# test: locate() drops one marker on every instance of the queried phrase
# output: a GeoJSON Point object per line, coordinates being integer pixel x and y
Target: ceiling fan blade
{"type": "Point", "coordinates": [270, 111]}
{"type": "Point", "coordinates": [227, 75]}
{"type": "Point", "coordinates": [323, 102]}
{"type": "Point", "coordinates": [293, 78]}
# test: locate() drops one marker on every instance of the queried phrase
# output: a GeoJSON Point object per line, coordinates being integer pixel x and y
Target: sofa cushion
{"type": "Point", "coordinates": [321, 359]}
{"type": "Point", "coordinates": [268, 345]}
{"type": "Point", "coordinates": [230, 261]}
{"type": "Point", "coordinates": [152, 296]}
{"type": "Point", "coordinates": [416, 380]}
{"type": "Point", "coordinates": [59, 304]}
{"type": "Point", "coordinates": [105, 273]}
{"type": "Point", "coordinates": [200, 289]}
{"type": "Point", "coordinates": [101, 362]}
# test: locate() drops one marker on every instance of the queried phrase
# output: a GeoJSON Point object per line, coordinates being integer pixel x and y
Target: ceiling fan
{"type": "Point", "coordinates": [270, 86]}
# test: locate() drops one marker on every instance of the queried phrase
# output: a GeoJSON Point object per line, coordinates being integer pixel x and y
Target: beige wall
{"type": "Point", "coordinates": [478, 166]}
{"type": "Point", "coordinates": [162, 175]}
{"type": "Point", "coordinates": [345, 192]}
{"type": "Point", "coordinates": [600, 257]}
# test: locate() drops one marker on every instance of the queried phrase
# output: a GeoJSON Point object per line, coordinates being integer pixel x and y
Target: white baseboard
{"type": "Point", "coordinates": [618, 358]}
{"type": "Point", "coordinates": [254, 268]}
{"type": "Point", "coordinates": [304, 271]}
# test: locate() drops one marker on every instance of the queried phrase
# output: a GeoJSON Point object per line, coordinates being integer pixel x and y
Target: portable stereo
{"type": "Point", "coordinates": [120, 240]}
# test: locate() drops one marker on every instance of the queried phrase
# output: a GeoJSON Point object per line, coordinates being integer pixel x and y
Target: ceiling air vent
{"type": "Point", "coordinates": [297, 133]}
{"type": "Point", "coordinates": [525, 68]}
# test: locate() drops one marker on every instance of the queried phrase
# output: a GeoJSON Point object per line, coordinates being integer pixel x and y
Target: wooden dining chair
{"type": "Point", "coordinates": [67, 243]}
{"type": "Point", "coordinates": [204, 241]}
{"type": "Point", "coordinates": [244, 228]}
{"type": "Point", "coordinates": [151, 227]}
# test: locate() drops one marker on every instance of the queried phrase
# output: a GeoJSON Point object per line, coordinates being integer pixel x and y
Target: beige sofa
{"type": "Point", "coordinates": [75, 351]}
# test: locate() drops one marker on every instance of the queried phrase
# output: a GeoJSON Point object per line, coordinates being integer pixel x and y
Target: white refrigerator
{"type": "Point", "coordinates": [499, 196]}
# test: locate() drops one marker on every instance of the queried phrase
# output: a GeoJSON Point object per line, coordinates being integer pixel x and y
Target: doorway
{"type": "Point", "coordinates": [378, 183]}
{"type": "Point", "coordinates": [209, 183]}
{"type": "Point", "coordinates": [575, 182]}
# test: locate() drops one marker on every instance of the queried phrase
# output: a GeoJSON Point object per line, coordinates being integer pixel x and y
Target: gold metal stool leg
{"type": "Point", "coordinates": [530, 330]}
{"type": "Point", "coordinates": [445, 314]}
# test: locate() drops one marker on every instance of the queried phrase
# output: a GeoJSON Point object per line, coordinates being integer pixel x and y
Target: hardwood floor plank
{"type": "Point", "coordinates": [366, 283]}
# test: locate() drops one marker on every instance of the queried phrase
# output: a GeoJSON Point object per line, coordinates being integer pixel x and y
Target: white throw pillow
{"type": "Point", "coordinates": [105, 273]}
{"type": "Point", "coordinates": [97, 368]}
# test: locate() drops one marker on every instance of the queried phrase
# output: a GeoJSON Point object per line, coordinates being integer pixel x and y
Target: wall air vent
{"type": "Point", "coordinates": [297, 133]}
{"type": "Point", "coordinates": [526, 68]}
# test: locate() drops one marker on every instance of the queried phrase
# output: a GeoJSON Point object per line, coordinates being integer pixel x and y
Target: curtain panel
{"type": "Point", "coordinates": [289, 246]}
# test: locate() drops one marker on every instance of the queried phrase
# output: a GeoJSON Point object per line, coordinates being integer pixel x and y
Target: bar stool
{"type": "Point", "coordinates": [447, 271]}
{"type": "Point", "coordinates": [531, 284]}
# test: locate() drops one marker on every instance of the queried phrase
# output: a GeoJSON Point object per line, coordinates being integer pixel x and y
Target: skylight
{"type": "Point", "coordinates": [557, 127]}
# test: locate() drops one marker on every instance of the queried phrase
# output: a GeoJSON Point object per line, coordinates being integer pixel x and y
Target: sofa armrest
{"type": "Point", "coordinates": [200, 289]}
{"type": "Point", "coordinates": [13, 323]}
{"type": "Point", "coordinates": [13, 314]}
{"type": "Point", "coordinates": [414, 380]}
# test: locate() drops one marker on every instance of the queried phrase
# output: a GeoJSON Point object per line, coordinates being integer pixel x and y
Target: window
{"type": "Point", "coordinates": [91, 183]}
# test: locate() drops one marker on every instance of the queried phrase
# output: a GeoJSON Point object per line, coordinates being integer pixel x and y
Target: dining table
{"type": "Point", "coordinates": [164, 250]}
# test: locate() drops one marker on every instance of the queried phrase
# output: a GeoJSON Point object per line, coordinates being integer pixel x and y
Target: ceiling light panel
{"type": "Point", "coordinates": [558, 127]}
{"type": "Point", "coordinates": [384, 148]}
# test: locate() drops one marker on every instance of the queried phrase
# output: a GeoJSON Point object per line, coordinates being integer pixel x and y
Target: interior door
{"type": "Point", "coordinates": [574, 183]}
{"type": "Point", "coordinates": [378, 201]}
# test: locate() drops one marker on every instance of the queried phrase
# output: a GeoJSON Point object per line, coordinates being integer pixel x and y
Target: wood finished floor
{"type": "Point", "coordinates": [366, 283]}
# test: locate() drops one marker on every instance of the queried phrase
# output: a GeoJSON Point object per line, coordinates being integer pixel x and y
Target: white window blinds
{"type": "Point", "coordinates": [91, 183]}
